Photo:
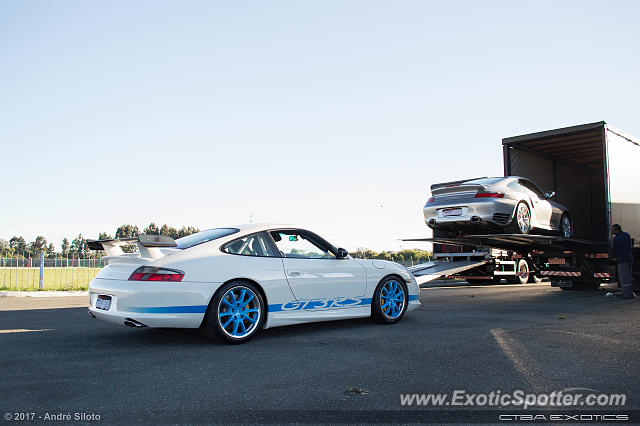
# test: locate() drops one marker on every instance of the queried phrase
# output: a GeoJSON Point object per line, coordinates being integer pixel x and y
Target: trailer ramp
{"type": "Point", "coordinates": [430, 271]}
{"type": "Point", "coordinates": [521, 243]}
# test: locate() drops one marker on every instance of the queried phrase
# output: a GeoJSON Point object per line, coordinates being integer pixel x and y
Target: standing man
{"type": "Point", "coordinates": [621, 248]}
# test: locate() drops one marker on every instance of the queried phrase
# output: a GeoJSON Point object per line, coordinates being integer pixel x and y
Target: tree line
{"type": "Point", "coordinates": [16, 246]}
{"type": "Point", "coordinates": [415, 255]}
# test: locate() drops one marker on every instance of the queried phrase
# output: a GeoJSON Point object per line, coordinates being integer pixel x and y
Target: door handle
{"type": "Point", "coordinates": [294, 273]}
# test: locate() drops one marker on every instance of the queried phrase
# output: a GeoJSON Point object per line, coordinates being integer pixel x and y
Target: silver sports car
{"type": "Point", "coordinates": [511, 204]}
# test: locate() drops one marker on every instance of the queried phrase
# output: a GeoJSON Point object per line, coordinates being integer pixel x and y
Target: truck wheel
{"type": "Point", "coordinates": [521, 222]}
{"type": "Point", "coordinates": [522, 271]}
{"type": "Point", "coordinates": [566, 227]}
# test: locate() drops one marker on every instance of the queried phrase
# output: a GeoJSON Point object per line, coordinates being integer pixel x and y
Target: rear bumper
{"type": "Point", "coordinates": [180, 305]}
{"type": "Point", "coordinates": [494, 213]}
{"type": "Point", "coordinates": [189, 320]}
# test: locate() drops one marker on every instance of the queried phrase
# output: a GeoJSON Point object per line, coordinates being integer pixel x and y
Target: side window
{"type": "Point", "coordinates": [295, 244]}
{"type": "Point", "coordinates": [250, 245]}
{"type": "Point", "coordinates": [515, 185]}
{"type": "Point", "coordinates": [532, 189]}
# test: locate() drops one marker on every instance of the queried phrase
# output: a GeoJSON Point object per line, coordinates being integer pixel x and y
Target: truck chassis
{"type": "Point", "coordinates": [569, 263]}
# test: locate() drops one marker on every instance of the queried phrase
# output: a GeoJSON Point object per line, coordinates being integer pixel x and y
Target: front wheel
{"type": "Point", "coordinates": [389, 301]}
{"type": "Point", "coordinates": [235, 313]}
{"type": "Point", "coordinates": [566, 227]}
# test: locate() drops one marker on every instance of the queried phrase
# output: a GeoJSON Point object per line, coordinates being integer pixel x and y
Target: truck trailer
{"type": "Point", "coordinates": [591, 168]}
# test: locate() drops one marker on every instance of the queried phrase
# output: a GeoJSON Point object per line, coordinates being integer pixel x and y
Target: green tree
{"type": "Point", "coordinates": [18, 245]}
{"type": "Point", "coordinates": [64, 247]}
{"type": "Point", "coordinates": [79, 246]}
{"type": "Point", "coordinates": [104, 236]}
{"type": "Point", "coordinates": [384, 255]}
{"type": "Point", "coordinates": [184, 231]}
{"type": "Point", "coordinates": [4, 245]}
{"type": "Point", "coordinates": [38, 246]}
{"type": "Point", "coordinates": [152, 229]}
{"type": "Point", "coordinates": [51, 251]}
{"type": "Point", "coordinates": [169, 231]}
{"type": "Point", "coordinates": [127, 231]}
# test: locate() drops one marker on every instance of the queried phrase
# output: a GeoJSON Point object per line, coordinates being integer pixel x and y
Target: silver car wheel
{"type": "Point", "coordinates": [523, 216]}
{"type": "Point", "coordinates": [566, 226]}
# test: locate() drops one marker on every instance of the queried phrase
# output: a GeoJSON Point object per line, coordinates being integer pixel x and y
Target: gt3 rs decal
{"type": "Point", "coordinates": [311, 304]}
{"type": "Point", "coordinates": [320, 304]}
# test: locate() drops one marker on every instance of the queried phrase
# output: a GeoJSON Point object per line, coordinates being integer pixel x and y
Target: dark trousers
{"type": "Point", "coordinates": [624, 278]}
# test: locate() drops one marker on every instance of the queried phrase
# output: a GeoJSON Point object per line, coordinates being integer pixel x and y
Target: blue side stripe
{"type": "Point", "coordinates": [289, 306]}
{"type": "Point", "coordinates": [193, 309]}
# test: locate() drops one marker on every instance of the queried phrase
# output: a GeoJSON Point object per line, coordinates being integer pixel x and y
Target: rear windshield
{"type": "Point", "coordinates": [485, 181]}
{"type": "Point", "coordinates": [204, 236]}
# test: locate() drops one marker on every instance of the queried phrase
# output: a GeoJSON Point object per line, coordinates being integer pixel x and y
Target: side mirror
{"type": "Point", "coordinates": [342, 253]}
{"type": "Point", "coordinates": [550, 194]}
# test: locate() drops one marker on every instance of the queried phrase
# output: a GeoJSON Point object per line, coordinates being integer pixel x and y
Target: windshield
{"type": "Point", "coordinates": [204, 236]}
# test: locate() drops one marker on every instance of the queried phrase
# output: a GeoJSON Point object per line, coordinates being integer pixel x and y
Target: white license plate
{"type": "Point", "coordinates": [557, 261]}
{"type": "Point", "coordinates": [103, 302]}
{"type": "Point", "coordinates": [451, 212]}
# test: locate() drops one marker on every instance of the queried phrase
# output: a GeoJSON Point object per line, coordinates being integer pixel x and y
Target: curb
{"type": "Point", "coordinates": [43, 293]}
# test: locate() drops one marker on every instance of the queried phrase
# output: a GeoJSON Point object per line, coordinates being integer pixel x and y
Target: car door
{"type": "Point", "coordinates": [541, 207]}
{"type": "Point", "coordinates": [317, 278]}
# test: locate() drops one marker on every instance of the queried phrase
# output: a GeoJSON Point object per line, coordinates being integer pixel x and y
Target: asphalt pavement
{"type": "Point", "coordinates": [56, 359]}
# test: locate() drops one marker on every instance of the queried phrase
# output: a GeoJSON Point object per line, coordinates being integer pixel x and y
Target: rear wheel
{"type": "Point", "coordinates": [389, 301]}
{"type": "Point", "coordinates": [235, 313]}
{"type": "Point", "coordinates": [522, 273]}
{"type": "Point", "coordinates": [521, 223]}
{"type": "Point", "coordinates": [566, 227]}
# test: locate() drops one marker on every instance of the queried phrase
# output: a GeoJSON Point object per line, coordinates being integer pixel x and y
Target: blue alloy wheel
{"type": "Point", "coordinates": [392, 299]}
{"type": "Point", "coordinates": [239, 312]}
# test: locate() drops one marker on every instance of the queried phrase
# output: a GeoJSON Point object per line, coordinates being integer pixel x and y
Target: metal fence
{"type": "Point", "coordinates": [24, 272]}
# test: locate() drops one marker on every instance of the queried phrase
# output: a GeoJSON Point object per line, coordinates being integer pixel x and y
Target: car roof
{"type": "Point", "coordinates": [257, 227]}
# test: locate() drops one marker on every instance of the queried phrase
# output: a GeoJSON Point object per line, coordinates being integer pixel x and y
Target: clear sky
{"type": "Point", "coordinates": [336, 115]}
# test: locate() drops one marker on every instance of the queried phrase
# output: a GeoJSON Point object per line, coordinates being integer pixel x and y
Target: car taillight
{"type": "Point", "coordinates": [489, 195]}
{"type": "Point", "coordinates": [431, 200]}
{"type": "Point", "coordinates": [150, 273]}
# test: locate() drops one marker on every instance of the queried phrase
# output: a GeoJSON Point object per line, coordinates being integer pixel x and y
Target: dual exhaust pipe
{"type": "Point", "coordinates": [474, 219]}
{"type": "Point", "coordinates": [127, 321]}
{"type": "Point", "coordinates": [133, 323]}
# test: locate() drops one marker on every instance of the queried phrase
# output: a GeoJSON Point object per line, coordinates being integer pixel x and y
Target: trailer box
{"type": "Point", "coordinates": [592, 168]}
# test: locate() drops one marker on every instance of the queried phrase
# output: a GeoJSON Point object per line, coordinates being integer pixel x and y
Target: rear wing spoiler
{"type": "Point", "coordinates": [146, 244]}
{"type": "Point", "coordinates": [453, 183]}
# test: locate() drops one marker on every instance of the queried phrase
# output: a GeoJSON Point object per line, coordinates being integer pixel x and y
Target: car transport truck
{"type": "Point", "coordinates": [591, 168]}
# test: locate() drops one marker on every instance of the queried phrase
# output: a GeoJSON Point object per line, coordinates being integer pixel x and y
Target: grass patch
{"type": "Point", "coordinates": [63, 279]}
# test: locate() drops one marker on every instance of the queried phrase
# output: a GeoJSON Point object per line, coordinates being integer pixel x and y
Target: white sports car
{"type": "Point", "coordinates": [231, 282]}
